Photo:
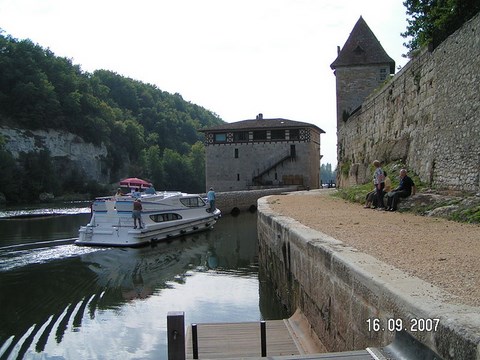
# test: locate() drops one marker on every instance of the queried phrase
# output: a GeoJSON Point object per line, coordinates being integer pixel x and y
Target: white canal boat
{"type": "Point", "coordinates": [164, 215]}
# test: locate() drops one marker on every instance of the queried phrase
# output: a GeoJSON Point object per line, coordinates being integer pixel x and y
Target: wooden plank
{"type": "Point", "coordinates": [286, 340]}
{"type": "Point", "coordinates": [224, 340]}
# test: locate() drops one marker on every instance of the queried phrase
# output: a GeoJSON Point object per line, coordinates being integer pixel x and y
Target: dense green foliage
{"type": "Point", "coordinates": [432, 21]}
{"type": "Point", "coordinates": [148, 132]}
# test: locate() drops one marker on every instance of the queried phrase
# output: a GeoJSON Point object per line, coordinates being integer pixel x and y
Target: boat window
{"type": "Point", "coordinates": [192, 202]}
{"type": "Point", "coordinates": [165, 217]}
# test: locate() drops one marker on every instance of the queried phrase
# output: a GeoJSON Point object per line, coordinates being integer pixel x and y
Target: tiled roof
{"type": "Point", "coordinates": [362, 48]}
{"type": "Point", "coordinates": [256, 124]}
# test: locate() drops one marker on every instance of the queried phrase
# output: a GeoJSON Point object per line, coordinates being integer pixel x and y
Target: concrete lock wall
{"type": "Point", "coordinates": [352, 299]}
{"type": "Point", "coordinates": [427, 116]}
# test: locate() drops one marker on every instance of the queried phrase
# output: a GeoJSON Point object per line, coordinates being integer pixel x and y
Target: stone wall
{"type": "Point", "coordinates": [343, 293]}
{"type": "Point", "coordinates": [65, 148]}
{"type": "Point", "coordinates": [362, 78]}
{"type": "Point", "coordinates": [428, 116]}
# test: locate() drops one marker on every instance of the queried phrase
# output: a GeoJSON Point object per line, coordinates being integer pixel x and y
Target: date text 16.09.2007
{"type": "Point", "coordinates": [412, 325]}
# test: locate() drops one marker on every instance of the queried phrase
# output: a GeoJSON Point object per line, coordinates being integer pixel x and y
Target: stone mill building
{"type": "Point", "coordinates": [261, 152]}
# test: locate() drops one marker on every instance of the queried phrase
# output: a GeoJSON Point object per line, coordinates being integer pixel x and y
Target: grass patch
{"type": "Point", "coordinates": [355, 193]}
{"type": "Point", "coordinates": [468, 215]}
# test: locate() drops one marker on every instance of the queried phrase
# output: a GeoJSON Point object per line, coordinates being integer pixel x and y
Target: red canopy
{"type": "Point", "coordinates": [135, 182]}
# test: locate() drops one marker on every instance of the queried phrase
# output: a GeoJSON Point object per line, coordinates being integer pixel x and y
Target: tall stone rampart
{"type": "Point", "coordinates": [428, 116]}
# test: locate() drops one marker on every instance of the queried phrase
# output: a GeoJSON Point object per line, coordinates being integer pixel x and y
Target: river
{"type": "Point", "coordinates": [62, 301]}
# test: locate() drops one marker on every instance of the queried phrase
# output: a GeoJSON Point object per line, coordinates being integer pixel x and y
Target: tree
{"type": "Point", "coordinates": [146, 131]}
{"type": "Point", "coordinates": [153, 165]}
{"type": "Point", "coordinates": [326, 173]}
{"type": "Point", "coordinates": [135, 134]}
{"type": "Point", "coordinates": [197, 164]}
{"type": "Point", "coordinates": [432, 21]}
{"type": "Point", "coordinates": [39, 175]}
{"type": "Point", "coordinates": [8, 174]}
{"type": "Point", "coordinates": [178, 170]}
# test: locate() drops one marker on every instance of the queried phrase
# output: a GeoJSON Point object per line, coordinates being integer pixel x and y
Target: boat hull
{"type": "Point", "coordinates": [112, 224]}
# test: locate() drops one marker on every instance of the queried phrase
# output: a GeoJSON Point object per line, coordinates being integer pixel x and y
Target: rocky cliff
{"type": "Point", "coordinates": [65, 148]}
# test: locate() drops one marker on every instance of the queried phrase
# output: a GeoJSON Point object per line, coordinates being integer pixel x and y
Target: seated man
{"type": "Point", "coordinates": [404, 189]}
{"type": "Point", "coordinates": [371, 199]}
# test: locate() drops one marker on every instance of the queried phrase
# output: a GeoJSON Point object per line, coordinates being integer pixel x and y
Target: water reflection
{"type": "Point", "coordinates": [79, 302]}
{"type": "Point", "coordinates": [37, 229]}
{"type": "Point", "coordinates": [41, 210]}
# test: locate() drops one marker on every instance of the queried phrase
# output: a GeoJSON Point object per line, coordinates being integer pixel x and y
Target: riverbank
{"type": "Point", "coordinates": [438, 251]}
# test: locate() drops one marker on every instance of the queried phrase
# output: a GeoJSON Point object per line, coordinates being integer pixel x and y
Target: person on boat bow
{"type": "Point", "coordinates": [211, 199]}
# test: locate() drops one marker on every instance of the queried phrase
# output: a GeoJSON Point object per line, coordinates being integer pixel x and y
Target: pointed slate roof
{"type": "Point", "coordinates": [362, 48]}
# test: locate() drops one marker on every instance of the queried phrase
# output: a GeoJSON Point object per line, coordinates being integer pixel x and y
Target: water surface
{"type": "Point", "coordinates": [61, 301]}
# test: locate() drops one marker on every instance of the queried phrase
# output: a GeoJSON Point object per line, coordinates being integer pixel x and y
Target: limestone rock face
{"type": "Point", "coordinates": [65, 148]}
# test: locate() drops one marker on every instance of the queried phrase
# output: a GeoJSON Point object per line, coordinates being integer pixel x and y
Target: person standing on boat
{"type": "Point", "coordinates": [136, 192]}
{"type": "Point", "coordinates": [211, 199]}
{"type": "Point", "coordinates": [137, 213]}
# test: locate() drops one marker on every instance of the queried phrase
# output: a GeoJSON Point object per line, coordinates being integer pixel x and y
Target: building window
{"type": "Point", "coordinates": [220, 138]}
{"type": "Point", "coordinates": [383, 74]}
{"type": "Point", "coordinates": [239, 136]}
{"type": "Point", "coordinates": [278, 134]}
{"type": "Point", "coordinates": [295, 134]}
{"type": "Point", "coordinates": [238, 177]}
{"type": "Point", "coordinates": [236, 153]}
{"type": "Point", "coordinates": [260, 135]}
{"type": "Point", "coordinates": [293, 152]}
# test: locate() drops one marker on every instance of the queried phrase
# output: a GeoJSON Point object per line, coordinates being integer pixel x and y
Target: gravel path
{"type": "Point", "coordinates": [441, 252]}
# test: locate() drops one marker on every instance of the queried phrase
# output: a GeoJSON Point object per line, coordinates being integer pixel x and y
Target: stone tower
{"type": "Point", "coordinates": [361, 65]}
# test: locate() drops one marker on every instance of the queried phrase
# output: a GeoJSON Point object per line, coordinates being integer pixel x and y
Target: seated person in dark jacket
{"type": "Point", "coordinates": [404, 189]}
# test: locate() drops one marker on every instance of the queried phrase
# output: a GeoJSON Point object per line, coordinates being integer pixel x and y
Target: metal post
{"type": "Point", "coordinates": [176, 335]}
{"type": "Point", "coordinates": [263, 336]}
{"type": "Point", "coordinates": [194, 341]}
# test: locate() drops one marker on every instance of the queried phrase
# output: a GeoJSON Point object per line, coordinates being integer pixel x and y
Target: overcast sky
{"type": "Point", "coordinates": [235, 58]}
